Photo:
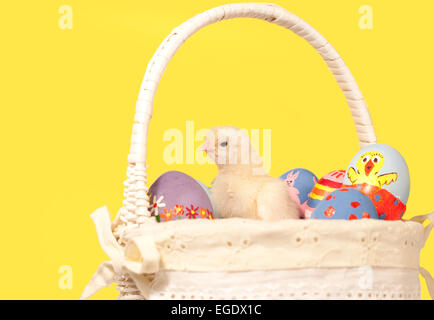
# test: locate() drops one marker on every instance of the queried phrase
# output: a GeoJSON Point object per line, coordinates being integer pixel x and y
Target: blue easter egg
{"type": "Point", "coordinates": [345, 204]}
{"type": "Point", "coordinates": [381, 166]}
{"type": "Point", "coordinates": [300, 183]}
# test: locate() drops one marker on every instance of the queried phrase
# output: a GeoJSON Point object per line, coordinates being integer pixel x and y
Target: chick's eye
{"type": "Point", "coordinates": [223, 144]}
{"type": "Point", "coordinates": [365, 159]}
{"type": "Point", "coordinates": [376, 159]}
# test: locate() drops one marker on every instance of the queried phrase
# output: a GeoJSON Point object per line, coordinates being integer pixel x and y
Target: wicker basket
{"type": "Point", "coordinates": [302, 259]}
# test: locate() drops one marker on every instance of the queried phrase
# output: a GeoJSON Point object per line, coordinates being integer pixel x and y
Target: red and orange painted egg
{"type": "Point", "coordinates": [345, 204]}
{"type": "Point", "coordinates": [389, 207]}
{"type": "Point", "coordinates": [322, 188]}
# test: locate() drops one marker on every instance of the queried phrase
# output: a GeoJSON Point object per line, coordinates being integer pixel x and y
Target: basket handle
{"type": "Point", "coordinates": [265, 11]}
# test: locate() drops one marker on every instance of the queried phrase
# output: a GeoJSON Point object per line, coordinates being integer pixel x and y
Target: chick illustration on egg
{"type": "Point", "coordinates": [368, 166]}
{"type": "Point", "coordinates": [381, 166]}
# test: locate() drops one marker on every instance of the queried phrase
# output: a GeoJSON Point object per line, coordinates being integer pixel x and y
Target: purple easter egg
{"type": "Point", "coordinates": [175, 195]}
{"type": "Point", "coordinates": [345, 204]}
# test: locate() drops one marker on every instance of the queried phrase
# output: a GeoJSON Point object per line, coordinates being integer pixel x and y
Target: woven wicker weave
{"type": "Point", "coordinates": [134, 211]}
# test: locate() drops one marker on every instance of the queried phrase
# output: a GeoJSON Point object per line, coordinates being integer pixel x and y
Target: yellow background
{"type": "Point", "coordinates": [68, 97]}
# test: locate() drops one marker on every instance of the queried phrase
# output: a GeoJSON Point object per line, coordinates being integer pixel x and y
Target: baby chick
{"type": "Point", "coordinates": [242, 188]}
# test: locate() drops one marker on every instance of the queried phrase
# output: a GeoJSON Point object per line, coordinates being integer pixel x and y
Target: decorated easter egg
{"type": "Point", "coordinates": [175, 195]}
{"type": "Point", "coordinates": [388, 206]}
{"type": "Point", "coordinates": [208, 192]}
{"type": "Point", "coordinates": [300, 183]}
{"type": "Point", "coordinates": [325, 185]}
{"type": "Point", "coordinates": [381, 166]}
{"type": "Point", "coordinates": [345, 204]}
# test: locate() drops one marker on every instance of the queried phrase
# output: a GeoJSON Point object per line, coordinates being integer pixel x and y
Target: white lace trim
{"type": "Point", "coordinates": [328, 283]}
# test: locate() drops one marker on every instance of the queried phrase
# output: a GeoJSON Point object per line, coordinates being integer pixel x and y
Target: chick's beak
{"type": "Point", "coordinates": [204, 147]}
{"type": "Point", "coordinates": [368, 167]}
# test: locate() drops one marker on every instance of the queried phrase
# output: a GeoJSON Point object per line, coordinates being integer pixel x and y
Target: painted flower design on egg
{"type": "Point", "coordinates": [179, 209]}
{"type": "Point", "coordinates": [192, 212]}
{"type": "Point", "coordinates": [167, 215]}
{"type": "Point", "coordinates": [203, 213]}
{"type": "Point", "coordinates": [210, 215]}
{"type": "Point", "coordinates": [156, 204]}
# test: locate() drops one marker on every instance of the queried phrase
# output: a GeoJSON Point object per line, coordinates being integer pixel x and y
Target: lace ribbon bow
{"type": "Point", "coordinates": [138, 259]}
